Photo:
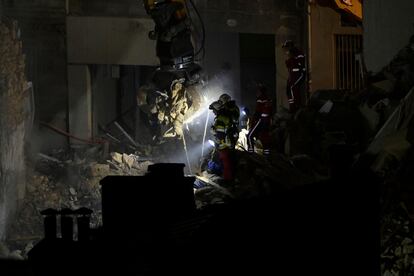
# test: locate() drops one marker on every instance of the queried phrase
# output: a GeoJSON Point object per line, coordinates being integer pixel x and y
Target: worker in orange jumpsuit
{"type": "Point", "coordinates": [295, 64]}
{"type": "Point", "coordinates": [261, 121]}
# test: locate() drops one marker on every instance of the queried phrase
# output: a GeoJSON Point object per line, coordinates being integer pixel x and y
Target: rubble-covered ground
{"type": "Point", "coordinates": [58, 181]}
{"type": "Point", "coordinates": [397, 217]}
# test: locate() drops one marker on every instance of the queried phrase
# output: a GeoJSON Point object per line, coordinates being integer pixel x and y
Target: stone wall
{"type": "Point", "coordinates": [42, 25]}
{"type": "Point", "coordinates": [14, 121]}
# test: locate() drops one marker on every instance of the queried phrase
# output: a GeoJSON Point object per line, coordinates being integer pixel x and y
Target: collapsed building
{"type": "Point", "coordinates": [106, 111]}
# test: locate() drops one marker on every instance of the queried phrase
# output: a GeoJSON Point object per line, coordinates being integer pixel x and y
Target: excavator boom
{"type": "Point", "coordinates": [172, 33]}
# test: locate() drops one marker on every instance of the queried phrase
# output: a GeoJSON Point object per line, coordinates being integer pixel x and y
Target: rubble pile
{"type": "Point", "coordinates": [387, 106]}
{"type": "Point", "coordinates": [256, 176]}
{"type": "Point", "coordinates": [57, 182]}
{"type": "Point", "coordinates": [397, 216]}
{"type": "Point", "coordinates": [397, 243]}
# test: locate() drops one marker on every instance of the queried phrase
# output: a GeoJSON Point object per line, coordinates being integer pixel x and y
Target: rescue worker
{"type": "Point", "coordinates": [261, 121]}
{"type": "Point", "coordinates": [230, 107]}
{"type": "Point", "coordinates": [242, 143]}
{"type": "Point", "coordinates": [178, 106]}
{"type": "Point", "coordinates": [223, 140]}
{"type": "Point", "coordinates": [295, 64]}
{"type": "Point", "coordinates": [244, 118]}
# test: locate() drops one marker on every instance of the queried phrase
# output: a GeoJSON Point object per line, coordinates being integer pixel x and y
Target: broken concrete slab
{"type": "Point", "coordinates": [327, 107]}
{"type": "Point", "coordinates": [128, 159]}
{"type": "Point", "coordinates": [398, 120]}
{"type": "Point", "coordinates": [117, 157]}
{"type": "Point", "coordinates": [72, 191]}
{"type": "Point", "coordinates": [371, 116]}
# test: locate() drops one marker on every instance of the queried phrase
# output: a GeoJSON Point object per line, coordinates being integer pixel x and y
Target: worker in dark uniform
{"type": "Point", "coordinates": [261, 121]}
{"type": "Point", "coordinates": [295, 64]}
{"type": "Point", "coordinates": [230, 107]}
{"type": "Point", "coordinates": [223, 139]}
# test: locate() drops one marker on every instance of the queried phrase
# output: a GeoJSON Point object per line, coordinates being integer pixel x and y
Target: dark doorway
{"type": "Point", "coordinates": [257, 65]}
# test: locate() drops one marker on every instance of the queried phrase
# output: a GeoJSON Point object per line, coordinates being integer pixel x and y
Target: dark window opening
{"type": "Point", "coordinates": [348, 74]}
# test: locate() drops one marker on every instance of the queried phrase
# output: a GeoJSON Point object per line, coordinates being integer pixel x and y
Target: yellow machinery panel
{"type": "Point", "coordinates": [351, 6]}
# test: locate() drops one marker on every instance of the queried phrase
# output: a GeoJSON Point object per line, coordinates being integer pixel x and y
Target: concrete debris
{"type": "Point", "coordinates": [72, 191]}
{"type": "Point", "coordinates": [397, 245]}
{"type": "Point", "coordinates": [128, 159]}
{"type": "Point", "coordinates": [116, 157]}
{"type": "Point", "coordinates": [28, 247]}
{"type": "Point", "coordinates": [16, 255]}
{"type": "Point", "coordinates": [209, 195]}
{"type": "Point", "coordinates": [5, 253]}
{"type": "Point", "coordinates": [395, 164]}
{"type": "Point", "coordinates": [326, 108]}
{"type": "Point", "coordinates": [371, 117]}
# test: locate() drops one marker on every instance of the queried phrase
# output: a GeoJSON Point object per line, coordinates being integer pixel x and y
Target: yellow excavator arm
{"type": "Point", "coordinates": [173, 35]}
{"type": "Point", "coordinates": [353, 7]}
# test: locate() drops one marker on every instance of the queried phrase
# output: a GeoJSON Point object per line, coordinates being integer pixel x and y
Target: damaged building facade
{"type": "Point", "coordinates": [74, 88]}
{"type": "Point", "coordinates": [86, 61]}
